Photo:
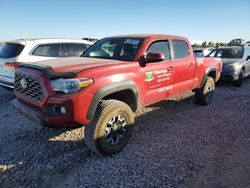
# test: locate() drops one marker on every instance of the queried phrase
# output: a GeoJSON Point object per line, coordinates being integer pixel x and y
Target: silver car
{"type": "Point", "coordinates": [236, 62]}
{"type": "Point", "coordinates": [13, 53]}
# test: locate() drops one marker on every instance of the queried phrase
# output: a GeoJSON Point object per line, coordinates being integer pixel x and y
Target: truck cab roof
{"type": "Point", "coordinates": [149, 36]}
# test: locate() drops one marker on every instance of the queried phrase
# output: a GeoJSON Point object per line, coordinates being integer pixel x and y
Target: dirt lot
{"type": "Point", "coordinates": [175, 144]}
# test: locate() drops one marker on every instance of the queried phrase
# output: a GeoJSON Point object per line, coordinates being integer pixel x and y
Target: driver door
{"type": "Point", "coordinates": [157, 77]}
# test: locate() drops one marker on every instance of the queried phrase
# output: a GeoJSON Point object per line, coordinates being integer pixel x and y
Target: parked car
{"type": "Point", "coordinates": [114, 78]}
{"type": "Point", "coordinates": [236, 42]}
{"type": "Point", "coordinates": [13, 53]}
{"type": "Point", "coordinates": [202, 52]}
{"type": "Point", "coordinates": [236, 62]}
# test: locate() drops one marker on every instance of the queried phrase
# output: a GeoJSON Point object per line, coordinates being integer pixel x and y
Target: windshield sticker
{"type": "Point", "coordinates": [132, 41]}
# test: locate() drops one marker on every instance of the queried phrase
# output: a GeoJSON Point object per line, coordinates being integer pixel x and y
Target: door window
{"type": "Point", "coordinates": [162, 47]}
{"type": "Point", "coordinates": [49, 50]}
{"type": "Point", "coordinates": [181, 49]}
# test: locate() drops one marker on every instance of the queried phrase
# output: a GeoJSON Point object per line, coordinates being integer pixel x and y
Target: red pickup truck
{"type": "Point", "coordinates": [113, 78]}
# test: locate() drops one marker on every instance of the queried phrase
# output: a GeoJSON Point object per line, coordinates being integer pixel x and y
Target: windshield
{"type": "Point", "coordinates": [227, 53]}
{"type": "Point", "coordinates": [10, 50]}
{"type": "Point", "coordinates": [123, 49]}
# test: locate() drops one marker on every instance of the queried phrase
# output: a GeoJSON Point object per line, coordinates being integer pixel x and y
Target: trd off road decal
{"type": "Point", "coordinates": [149, 76]}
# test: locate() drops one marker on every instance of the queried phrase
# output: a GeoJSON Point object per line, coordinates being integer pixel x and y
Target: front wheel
{"type": "Point", "coordinates": [204, 95]}
{"type": "Point", "coordinates": [238, 83]}
{"type": "Point", "coordinates": [110, 129]}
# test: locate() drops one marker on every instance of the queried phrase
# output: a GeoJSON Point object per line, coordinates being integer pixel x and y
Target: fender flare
{"type": "Point", "coordinates": [209, 70]}
{"type": "Point", "coordinates": [107, 90]}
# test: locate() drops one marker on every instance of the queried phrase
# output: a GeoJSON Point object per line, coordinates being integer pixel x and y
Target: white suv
{"type": "Point", "coordinates": [33, 50]}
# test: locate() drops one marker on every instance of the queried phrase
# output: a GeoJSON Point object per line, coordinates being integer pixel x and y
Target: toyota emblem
{"type": "Point", "coordinates": [24, 83]}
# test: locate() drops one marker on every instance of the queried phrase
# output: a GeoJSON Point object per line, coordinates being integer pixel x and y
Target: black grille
{"type": "Point", "coordinates": [33, 89]}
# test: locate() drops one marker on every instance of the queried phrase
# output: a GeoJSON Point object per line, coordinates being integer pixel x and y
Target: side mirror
{"type": "Point", "coordinates": [154, 57]}
{"type": "Point", "coordinates": [248, 58]}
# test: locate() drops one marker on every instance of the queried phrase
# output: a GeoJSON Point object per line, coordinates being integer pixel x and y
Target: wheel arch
{"type": "Point", "coordinates": [211, 72]}
{"type": "Point", "coordinates": [126, 91]}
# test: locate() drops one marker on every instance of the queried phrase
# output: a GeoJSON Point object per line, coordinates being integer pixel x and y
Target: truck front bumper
{"type": "Point", "coordinates": [47, 117]}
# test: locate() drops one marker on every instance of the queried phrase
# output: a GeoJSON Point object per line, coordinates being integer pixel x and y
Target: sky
{"type": "Point", "coordinates": [200, 20]}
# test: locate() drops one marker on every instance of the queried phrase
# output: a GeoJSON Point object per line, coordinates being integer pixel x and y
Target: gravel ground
{"type": "Point", "coordinates": [175, 144]}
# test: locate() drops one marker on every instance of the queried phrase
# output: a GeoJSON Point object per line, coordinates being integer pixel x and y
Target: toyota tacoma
{"type": "Point", "coordinates": [114, 78]}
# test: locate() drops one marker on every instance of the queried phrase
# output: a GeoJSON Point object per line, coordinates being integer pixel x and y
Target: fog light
{"type": "Point", "coordinates": [63, 110]}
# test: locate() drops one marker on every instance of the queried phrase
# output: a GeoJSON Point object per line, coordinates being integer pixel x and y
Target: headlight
{"type": "Point", "coordinates": [228, 68]}
{"type": "Point", "coordinates": [232, 67]}
{"type": "Point", "coordinates": [70, 85]}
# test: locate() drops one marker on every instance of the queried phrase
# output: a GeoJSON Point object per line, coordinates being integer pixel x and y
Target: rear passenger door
{"type": "Point", "coordinates": [184, 65]}
{"type": "Point", "coordinates": [157, 77]}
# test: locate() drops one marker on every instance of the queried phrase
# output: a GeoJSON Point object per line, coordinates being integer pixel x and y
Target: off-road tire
{"type": "Point", "coordinates": [204, 95]}
{"type": "Point", "coordinates": [95, 134]}
{"type": "Point", "coordinates": [238, 83]}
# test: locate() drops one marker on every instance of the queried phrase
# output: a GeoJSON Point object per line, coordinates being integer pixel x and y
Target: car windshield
{"type": "Point", "coordinates": [10, 50]}
{"type": "Point", "coordinates": [123, 49]}
{"type": "Point", "coordinates": [227, 53]}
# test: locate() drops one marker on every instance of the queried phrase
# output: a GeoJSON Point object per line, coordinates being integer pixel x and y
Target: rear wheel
{"type": "Point", "coordinates": [204, 95]}
{"type": "Point", "coordinates": [238, 83]}
{"type": "Point", "coordinates": [110, 129]}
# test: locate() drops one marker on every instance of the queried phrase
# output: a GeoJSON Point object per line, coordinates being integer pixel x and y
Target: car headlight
{"type": "Point", "coordinates": [70, 85]}
{"type": "Point", "coordinates": [228, 68]}
{"type": "Point", "coordinates": [232, 67]}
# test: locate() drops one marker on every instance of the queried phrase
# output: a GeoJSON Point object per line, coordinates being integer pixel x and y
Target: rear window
{"type": "Point", "coordinates": [181, 49]}
{"type": "Point", "coordinates": [10, 50]}
{"type": "Point", "coordinates": [75, 49]}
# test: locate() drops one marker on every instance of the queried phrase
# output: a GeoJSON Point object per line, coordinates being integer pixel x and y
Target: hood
{"type": "Point", "coordinates": [227, 61]}
{"type": "Point", "coordinates": [76, 64]}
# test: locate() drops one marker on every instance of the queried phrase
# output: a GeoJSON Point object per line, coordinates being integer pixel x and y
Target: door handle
{"type": "Point", "coordinates": [171, 68]}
